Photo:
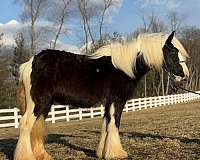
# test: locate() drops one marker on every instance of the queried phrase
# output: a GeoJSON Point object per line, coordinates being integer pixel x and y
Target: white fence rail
{"type": "Point", "coordinates": [10, 117]}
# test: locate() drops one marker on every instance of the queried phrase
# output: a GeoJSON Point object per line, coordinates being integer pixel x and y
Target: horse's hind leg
{"type": "Point", "coordinates": [100, 148]}
{"type": "Point", "coordinates": [43, 105]}
{"type": "Point", "coordinates": [112, 146]}
{"type": "Point", "coordinates": [37, 140]}
{"type": "Point", "coordinates": [23, 150]}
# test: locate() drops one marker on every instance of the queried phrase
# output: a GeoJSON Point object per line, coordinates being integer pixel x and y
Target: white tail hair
{"type": "Point", "coordinates": [23, 67]}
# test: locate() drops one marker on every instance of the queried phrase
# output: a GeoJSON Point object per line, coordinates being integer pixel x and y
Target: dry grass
{"type": "Point", "coordinates": [171, 132]}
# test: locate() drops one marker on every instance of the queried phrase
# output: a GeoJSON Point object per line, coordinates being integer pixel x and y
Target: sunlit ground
{"type": "Point", "coordinates": [171, 132]}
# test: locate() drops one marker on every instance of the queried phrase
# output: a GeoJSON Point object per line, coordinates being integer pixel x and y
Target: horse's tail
{"type": "Point", "coordinates": [21, 95]}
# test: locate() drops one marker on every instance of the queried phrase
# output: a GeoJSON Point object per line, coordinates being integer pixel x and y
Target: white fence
{"type": "Point", "coordinates": [10, 117]}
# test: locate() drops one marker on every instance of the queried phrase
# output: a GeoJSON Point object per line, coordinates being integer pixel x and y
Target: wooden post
{"type": "Point", "coordinates": [53, 114]}
{"type": "Point", "coordinates": [150, 103]}
{"type": "Point", "coordinates": [102, 110]}
{"type": "Point", "coordinates": [67, 113]}
{"type": "Point", "coordinates": [139, 105]}
{"type": "Point", "coordinates": [16, 117]}
{"type": "Point", "coordinates": [168, 99]}
{"type": "Point", "coordinates": [80, 114]}
{"type": "Point", "coordinates": [91, 112]}
{"type": "Point", "coordinates": [133, 105]}
{"type": "Point", "coordinates": [184, 97]}
{"type": "Point", "coordinates": [145, 103]}
{"type": "Point", "coordinates": [126, 107]}
{"type": "Point", "coordinates": [164, 100]}
{"type": "Point", "coordinates": [160, 104]}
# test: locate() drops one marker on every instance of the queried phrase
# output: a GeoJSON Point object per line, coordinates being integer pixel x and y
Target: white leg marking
{"type": "Point", "coordinates": [37, 139]}
{"type": "Point", "coordinates": [183, 64]}
{"type": "Point", "coordinates": [100, 148]}
{"type": "Point", "coordinates": [113, 147]}
{"type": "Point", "coordinates": [23, 150]}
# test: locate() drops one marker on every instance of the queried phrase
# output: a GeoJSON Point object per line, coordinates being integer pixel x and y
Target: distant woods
{"type": "Point", "coordinates": [47, 21]}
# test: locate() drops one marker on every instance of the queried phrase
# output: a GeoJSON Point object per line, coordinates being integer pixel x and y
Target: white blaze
{"type": "Point", "coordinates": [184, 67]}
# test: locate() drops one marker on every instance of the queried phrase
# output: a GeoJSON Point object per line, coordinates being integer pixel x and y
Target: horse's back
{"type": "Point", "coordinates": [70, 78]}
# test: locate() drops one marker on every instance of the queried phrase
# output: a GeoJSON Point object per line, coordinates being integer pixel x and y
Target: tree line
{"type": "Point", "coordinates": [89, 21]}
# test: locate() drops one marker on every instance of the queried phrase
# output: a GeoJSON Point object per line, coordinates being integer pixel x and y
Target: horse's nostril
{"type": "Point", "coordinates": [185, 78]}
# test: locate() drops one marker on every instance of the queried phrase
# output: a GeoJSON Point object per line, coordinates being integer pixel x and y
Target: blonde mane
{"type": "Point", "coordinates": [149, 45]}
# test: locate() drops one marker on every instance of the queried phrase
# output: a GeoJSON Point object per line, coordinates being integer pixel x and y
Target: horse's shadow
{"type": "Point", "coordinates": [7, 146]}
{"type": "Point", "coordinates": [153, 136]}
{"type": "Point", "coordinates": [59, 138]}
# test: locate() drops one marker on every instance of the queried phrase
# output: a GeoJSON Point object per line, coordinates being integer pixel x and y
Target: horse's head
{"type": "Point", "coordinates": [174, 60]}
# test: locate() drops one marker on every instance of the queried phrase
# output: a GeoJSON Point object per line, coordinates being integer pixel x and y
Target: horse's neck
{"type": "Point", "coordinates": [141, 68]}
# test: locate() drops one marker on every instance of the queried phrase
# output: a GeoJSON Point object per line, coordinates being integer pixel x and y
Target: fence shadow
{"type": "Point", "coordinates": [7, 146]}
{"type": "Point", "coordinates": [59, 139]}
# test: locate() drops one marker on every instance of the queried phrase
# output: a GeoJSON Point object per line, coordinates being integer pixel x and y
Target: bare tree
{"type": "Point", "coordinates": [155, 24]}
{"type": "Point", "coordinates": [106, 5]}
{"type": "Point", "coordinates": [21, 55]}
{"type": "Point", "coordinates": [152, 24]}
{"type": "Point", "coordinates": [191, 40]}
{"type": "Point", "coordinates": [175, 21]}
{"type": "Point", "coordinates": [31, 12]}
{"type": "Point", "coordinates": [93, 15]}
{"type": "Point", "coordinates": [58, 12]}
{"type": "Point", "coordinates": [1, 44]}
{"type": "Point", "coordinates": [82, 8]}
{"type": "Point", "coordinates": [87, 11]}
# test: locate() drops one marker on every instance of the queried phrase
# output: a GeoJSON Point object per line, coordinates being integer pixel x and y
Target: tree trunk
{"type": "Point", "coordinates": [162, 83]}
{"type": "Point", "coordinates": [167, 88]}
{"type": "Point", "coordinates": [145, 85]}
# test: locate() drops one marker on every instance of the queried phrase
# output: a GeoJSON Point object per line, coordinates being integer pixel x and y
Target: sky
{"type": "Point", "coordinates": [128, 16]}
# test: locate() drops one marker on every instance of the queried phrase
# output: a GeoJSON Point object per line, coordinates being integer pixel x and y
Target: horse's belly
{"type": "Point", "coordinates": [82, 102]}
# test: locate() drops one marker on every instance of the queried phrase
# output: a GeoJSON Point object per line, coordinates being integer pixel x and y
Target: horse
{"type": "Point", "coordinates": [107, 76]}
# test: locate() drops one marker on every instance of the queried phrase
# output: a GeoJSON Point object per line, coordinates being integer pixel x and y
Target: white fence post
{"type": "Point", "coordinates": [168, 99]}
{"type": "Point", "coordinates": [160, 104]}
{"type": "Point", "coordinates": [139, 103]}
{"type": "Point", "coordinates": [150, 102]}
{"type": "Point", "coordinates": [16, 117]}
{"type": "Point", "coordinates": [145, 102]}
{"type": "Point", "coordinates": [52, 114]}
{"type": "Point", "coordinates": [174, 99]}
{"type": "Point", "coordinates": [102, 110]}
{"type": "Point", "coordinates": [80, 114]}
{"type": "Point", "coordinates": [91, 112]}
{"type": "Point", "coordinates": [185, 98]}
{"type": "Point", "coordinates": [126, 107]}
{"type": "Point", "coordinates": [164, 100]}
{"type": "Point", "coordinates": [67, 113]}
{"type": "Point", "coordinates": [133, 105]}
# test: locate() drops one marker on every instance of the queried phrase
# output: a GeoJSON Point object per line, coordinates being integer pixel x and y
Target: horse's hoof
{"type": "Point", "coordinates": [116, 154]}
{"type": "Point", "coordinates": [44, 156]}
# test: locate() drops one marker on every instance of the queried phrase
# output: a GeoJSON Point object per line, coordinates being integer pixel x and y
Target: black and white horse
{"type": "Point", "coordinates": [108, 76]}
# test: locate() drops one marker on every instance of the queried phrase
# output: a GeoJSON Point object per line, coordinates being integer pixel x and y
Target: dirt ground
{"type": "Point", "coordinates": [163, 133]}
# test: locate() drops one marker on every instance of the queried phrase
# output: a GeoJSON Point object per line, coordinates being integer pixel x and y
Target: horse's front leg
{"type": "Point", "coordinates": [110, 145]}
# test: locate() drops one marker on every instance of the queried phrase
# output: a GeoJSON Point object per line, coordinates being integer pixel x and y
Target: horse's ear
{"type": "Point", "coordinates": [169, 39]}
